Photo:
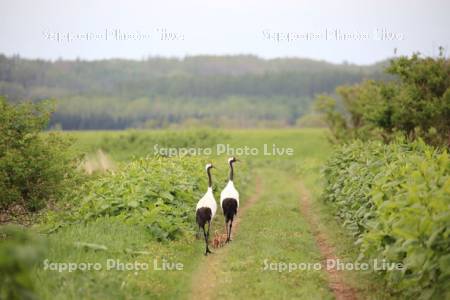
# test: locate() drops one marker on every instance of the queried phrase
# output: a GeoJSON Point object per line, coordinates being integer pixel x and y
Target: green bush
{"type": "Point", "coordinates": [34, 167]}
{"type": "Point", "coordinates": [159, 192]}
{"type": "Point", "coordinates": [416, 104]}
{"type": "Point", "coordinates": [19, 252]}
{"type": "Point", "coordinates": [395, 199]}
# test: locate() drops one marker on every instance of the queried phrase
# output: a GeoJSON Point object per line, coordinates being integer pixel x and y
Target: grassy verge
{"type": "Point", "coordinates": [125, 244]}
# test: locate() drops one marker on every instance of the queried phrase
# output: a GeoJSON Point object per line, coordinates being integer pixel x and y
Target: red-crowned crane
{"type": "Point", "coordinates": [206, 209]}
{"type": "Point", "coordinates": [229, 200]}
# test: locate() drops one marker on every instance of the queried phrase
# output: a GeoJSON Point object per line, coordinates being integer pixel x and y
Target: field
{"type": "Point", "coordinates": [159, 151]}
{"type": "Point", "coordinates": [274, 229]}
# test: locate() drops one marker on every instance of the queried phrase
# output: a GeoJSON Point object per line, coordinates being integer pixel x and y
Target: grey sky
{"type": "Point", "coordinates": [30, 28]}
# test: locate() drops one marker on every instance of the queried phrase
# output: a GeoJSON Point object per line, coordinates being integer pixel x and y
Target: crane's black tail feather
{"type": "Point", "coordinates": [229, 206]}
{"type": "Point", "coordinates": [203, 216]}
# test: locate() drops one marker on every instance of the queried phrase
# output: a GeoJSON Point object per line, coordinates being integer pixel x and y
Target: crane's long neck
{"type": "Point", "coordinates": [231, 171]}
{"type": "Point", "coordinates": [209, 177]}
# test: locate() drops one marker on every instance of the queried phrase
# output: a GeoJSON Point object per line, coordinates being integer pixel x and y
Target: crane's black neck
{"type": "Point", "coordinates": [231, 170]}
{"type": "Point", "coordinates": [209, 177]}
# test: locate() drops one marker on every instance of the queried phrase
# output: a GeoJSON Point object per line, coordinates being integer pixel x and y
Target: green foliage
{"type": "Point", "coordinates": [311, 120]}
{"type": "Point", "coordinates": [158, 192]}
{"type": "Point", "coordinates": [100, 112]}
{"type": "Point", "coordinates": [416, 105]}
{"type": "Point", "coordinates": [395, 199]}
{"type": "Point", "coordinates": [33, 167]}
{"type": "Point", "coordinates": [19, 252]}
{"type": "Point", "coordinates": [335, 121]}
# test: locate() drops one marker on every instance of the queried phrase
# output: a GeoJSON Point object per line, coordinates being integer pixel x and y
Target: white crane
{"type": "Point", "coordinates": [206, 209]}
{"type": "Point", "coordinates": [229, 200]}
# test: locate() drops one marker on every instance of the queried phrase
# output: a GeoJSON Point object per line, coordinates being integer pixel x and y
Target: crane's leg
{"type": "Point", "coordinates": [207, 238]}
{"type": "Point", "coordinates": [197, 235]}
{"type": "Point", "coordinates": [229, 231]}
{"type": "Point", "coordinates": [231, 225]}
{"type": "Point", "coordinates": [226, 227]}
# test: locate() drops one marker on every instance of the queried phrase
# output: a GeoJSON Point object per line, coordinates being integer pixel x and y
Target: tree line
{"type": "Point", "coordinates": [238, 91]}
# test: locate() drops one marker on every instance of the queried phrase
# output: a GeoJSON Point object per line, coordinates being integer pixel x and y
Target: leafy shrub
{"type": "Point", "coordinates": [158, 192]}
{"type": "Point", "coordinates": [34, 167]}
{"type": "Point", "coordinates": [19, 252]}
{"type": "Point", "coordinates": [395, 199]}
{"type": "Point", "coordinates": [416, 104]}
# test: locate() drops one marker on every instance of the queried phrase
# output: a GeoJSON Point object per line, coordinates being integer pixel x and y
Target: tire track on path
{"type": "Point", "coordinates": [340, 289]}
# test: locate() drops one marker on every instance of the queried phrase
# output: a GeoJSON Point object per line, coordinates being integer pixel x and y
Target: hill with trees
{"type": "Point", "coordinates": [231, 91]}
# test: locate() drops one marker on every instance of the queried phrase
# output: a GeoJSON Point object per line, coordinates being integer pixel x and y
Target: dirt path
{"type": "Point", "coordinates": [204, 279]}
{"type": "Point", "coordinates": [340, 289]}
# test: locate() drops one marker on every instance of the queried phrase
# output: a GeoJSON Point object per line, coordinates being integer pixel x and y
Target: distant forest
{"type": "Point", "coordinates": [229, 91]}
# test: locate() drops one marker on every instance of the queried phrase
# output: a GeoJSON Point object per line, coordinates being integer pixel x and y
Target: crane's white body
{"type": "Point", "coordinates": [229, 192]}
{"type": "Point", "coordinates": [208, 200]}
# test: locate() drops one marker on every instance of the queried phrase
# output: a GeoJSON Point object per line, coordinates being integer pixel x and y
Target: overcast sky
{"type": "Point", "coordinates": [356, 31]}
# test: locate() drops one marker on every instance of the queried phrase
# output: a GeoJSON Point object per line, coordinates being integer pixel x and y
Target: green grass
{"type": "Point", "coordinates": [125, 145]}
{"type": "Point", "coordinates": [273, 232]}
{"type": "Point", "coordinates": [119, 238]}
